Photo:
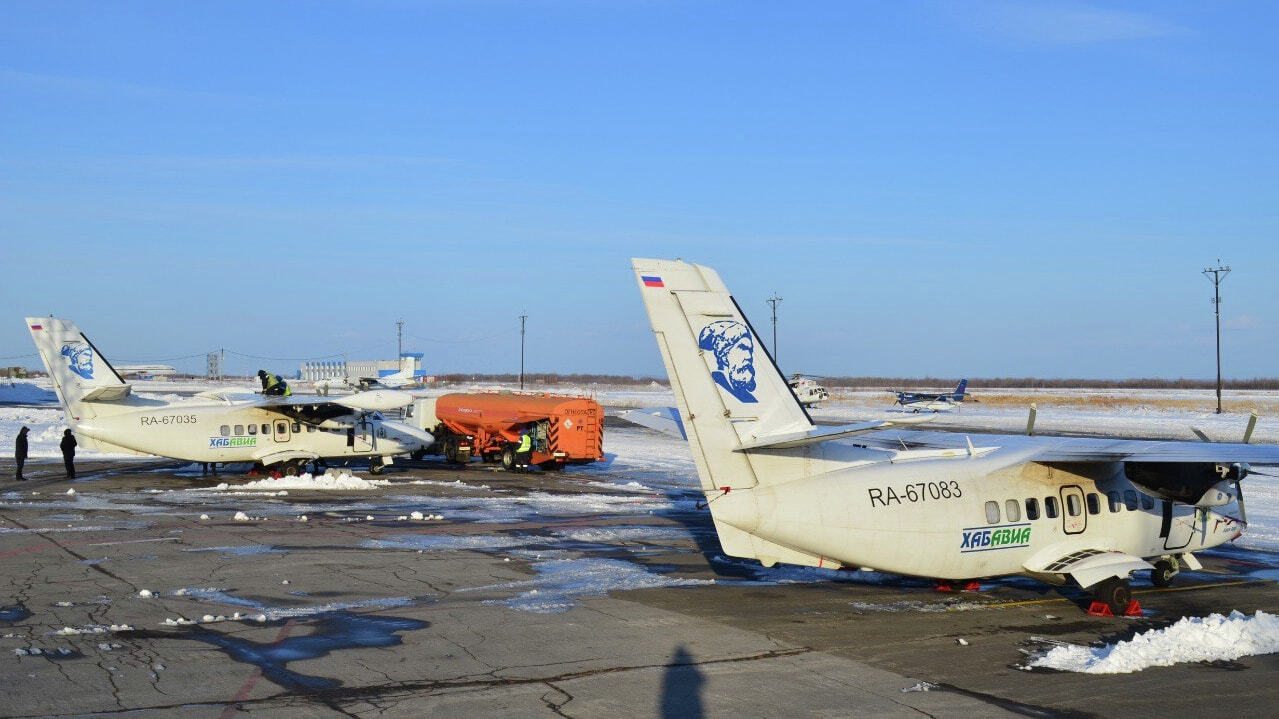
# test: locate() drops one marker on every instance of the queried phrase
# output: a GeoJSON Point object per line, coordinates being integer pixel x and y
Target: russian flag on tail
{"type": "Point", "coordinates": [37, 327]}
{"type": "Point", "coordinates": [652, 281]}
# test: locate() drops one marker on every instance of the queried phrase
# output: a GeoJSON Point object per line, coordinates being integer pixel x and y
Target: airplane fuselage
{"type": "Point", "coordinates": [935, 517]}
{"type": "Point", "coordinates": [231, 433]}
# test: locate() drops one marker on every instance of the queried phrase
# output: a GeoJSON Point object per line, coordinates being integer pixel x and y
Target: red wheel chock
{"type": "Point", "coordinates": [972, 586]}
{"type": "Point", "coordinates": [943, 587]}
{"type": "Point", "coordinates": [1101, 609]}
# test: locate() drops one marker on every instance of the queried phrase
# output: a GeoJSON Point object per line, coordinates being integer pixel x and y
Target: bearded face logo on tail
{"type": "Point", "coordinates": [734, 351]}
{"type": "Point", "coordinates": [79, 359]}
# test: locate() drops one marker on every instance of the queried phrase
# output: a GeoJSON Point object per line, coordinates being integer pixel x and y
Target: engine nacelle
{"type": "Point", "coordinates": [1202, 484]}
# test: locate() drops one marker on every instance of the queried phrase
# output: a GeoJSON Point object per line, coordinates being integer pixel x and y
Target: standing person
{"type": "Point", "coordinates": [523, 451]}
{"type": "Point", "coordinates": [68, 452]}
{"type": "Point", "coordinates": [20, 452]}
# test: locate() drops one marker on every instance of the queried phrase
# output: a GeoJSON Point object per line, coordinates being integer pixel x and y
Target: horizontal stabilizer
{"type": "Point", "coordinates": [826, 434]}
{"type": "Point", "coordinates": [108, 393]}
{"type": "Point", "coordinates": [663, 419]}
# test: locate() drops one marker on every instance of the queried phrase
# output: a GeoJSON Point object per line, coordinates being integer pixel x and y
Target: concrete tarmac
{"type": "Point", "coordinates": [503, 613]}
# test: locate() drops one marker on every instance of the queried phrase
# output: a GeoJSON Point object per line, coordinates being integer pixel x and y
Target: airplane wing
{"type": "Point", "coordinates": [1090, 449]}
{"type": "Point", "coordinates": [825, 434]}
{"type": "Point", "coordinates": [316, 408]}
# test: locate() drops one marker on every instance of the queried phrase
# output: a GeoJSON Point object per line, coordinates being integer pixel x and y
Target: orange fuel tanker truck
{"type": "Point", "coordinates": [565, 430]}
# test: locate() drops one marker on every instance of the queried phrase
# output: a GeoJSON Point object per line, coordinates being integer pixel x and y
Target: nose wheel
{"type": "Point", "coordinates": [1163, 573]}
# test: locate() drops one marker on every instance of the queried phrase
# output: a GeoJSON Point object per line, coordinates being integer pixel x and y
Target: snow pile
{"type": "Point", "coordinates": [17, 392]}
{"type": "Point", "coordinates": [341, 482]}
{"type": "Point", "coordinates": [1191, 639]}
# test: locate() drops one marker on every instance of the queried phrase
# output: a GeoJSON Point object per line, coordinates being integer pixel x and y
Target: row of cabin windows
{"type": "Point", "coordinates": [240, 430]}
{"type": "Point", "coordinates": [1131, 499]}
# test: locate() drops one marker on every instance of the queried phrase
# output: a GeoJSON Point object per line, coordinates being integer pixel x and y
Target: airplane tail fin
{"type": "Point", "coordinates": [727, 387]}
{"type": "Point", "coordinates": [960, 389]}
{"type": "Point", "coordinates": [79, 372]}
{"type": "Point", "coordinates": [730, 395]}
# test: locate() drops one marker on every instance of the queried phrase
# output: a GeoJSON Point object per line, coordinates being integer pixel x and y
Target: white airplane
{"type": "Point", "coordinates": [279, 432]}
{"type": "Point", "coordinates": [146, 371]}
{"type": "Point", "coordinates": [926, 504]}
{"type": "Point", "coordinates": [402, 378]}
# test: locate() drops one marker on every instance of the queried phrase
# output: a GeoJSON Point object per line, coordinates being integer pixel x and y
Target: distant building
{"type": "Point", "coordinates": [312, 371]}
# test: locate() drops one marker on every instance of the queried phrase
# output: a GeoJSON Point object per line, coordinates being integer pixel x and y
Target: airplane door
{"type": "Point", "coordinates": [1073, 516]}
{"type": "Point", "coordinates": [282, 430]}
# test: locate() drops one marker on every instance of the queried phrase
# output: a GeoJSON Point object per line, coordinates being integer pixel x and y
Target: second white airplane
{"type": "Point", "coordinates": [281, 433]}
{"type": "Point", "coordinates": [927, 504]}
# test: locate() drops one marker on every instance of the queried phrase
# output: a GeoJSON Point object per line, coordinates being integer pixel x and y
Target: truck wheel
{"type": "Point", "coordinates": [508, 457]}
{"type": "Point", "coordinates": [450, 450]}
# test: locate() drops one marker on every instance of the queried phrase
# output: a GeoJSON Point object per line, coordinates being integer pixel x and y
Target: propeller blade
{"type": "Point", "coordinates": [1243, 515]}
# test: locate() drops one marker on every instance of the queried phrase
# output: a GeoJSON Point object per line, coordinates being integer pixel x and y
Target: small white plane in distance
{"type": "Point", "coordinates": [935, 401]}
{"type": "Point", "coordinates": [402, 378]}
{"type": "Point", "coordinates": [279, 432]}
{"type": "Point", "coordinates": [807, 391]}
{"type": "Point", "coordinates": [926, 504]}
{"type": "Point", "coordinates": [146, 371]}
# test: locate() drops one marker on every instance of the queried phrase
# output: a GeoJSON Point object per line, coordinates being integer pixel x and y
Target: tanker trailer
{"type": "Point", "coordinates": [565, 430]}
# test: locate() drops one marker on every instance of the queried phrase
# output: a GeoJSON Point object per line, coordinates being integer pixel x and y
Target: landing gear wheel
{"type": "Point", "coordinates": [1163, 573]}
{"type": "Point", "coordinates": [376, 466]}
{"type": "Point", "coordinates": [1114, 593]}
{"type": "Point", "coordinates": [508, 458]}
{"type": "Point", "coordinates": [417, 454]}
{"type": "Point", "coordinates": [290, 469]}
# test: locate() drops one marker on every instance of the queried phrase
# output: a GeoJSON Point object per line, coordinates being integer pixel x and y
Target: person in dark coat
{"type": "Point", "coordinates": [68, 452]}
{"type": "Point", "coordinates": [20, 451]}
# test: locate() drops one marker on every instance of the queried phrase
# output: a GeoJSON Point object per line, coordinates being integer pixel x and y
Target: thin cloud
{"type": "Point", "coordinates": [1056, 24]}
{"type": "Point", "coordinates": [1242, 322]}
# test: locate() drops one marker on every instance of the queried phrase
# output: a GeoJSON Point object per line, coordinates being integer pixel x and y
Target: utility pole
{"type": "Point", "coordinates": [522, 318]}
{"type": "Point", "coordinates": [399, 339]}
{"type": "Point", "coordinates": [1215, 275]}
{"type": "Point", "coordinates": [773, 301]}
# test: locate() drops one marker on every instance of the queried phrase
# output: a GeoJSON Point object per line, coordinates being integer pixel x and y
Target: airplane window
{"type": "Point", "coordinates": [281, 428]}
{"type": "Point", "coordinates": [1130, 499]}
{"type": "Point", "coordinates": [310, 428]}
{"type": "Point", "coordinates": [1147, 501]}
{"type": "Point", "coordinates": [1013, 510]}
{"type": "Point", "coordinates": [253, 429]}
{"type": "Point", "coordinates": [296, 428]}
{"type": "Point", "coordinates": [266, 429]}
{"type": "Point", "coordinates": [1072, 505]}
{"type": "Point", "coordinates": [1094, 503]}
{"type": "Point", "coordinates": [1032, 508]}
{"type": "Point", "coordinates": [225, 430]}
{"type": "Point", "coordinates": [239, 430]}
{"type": "Point", "coordinates": [1113, 497]}
{"type": "Point", "coordinates": [992, 512]}
{"type": "Point", "coordinates": [1050, 507]}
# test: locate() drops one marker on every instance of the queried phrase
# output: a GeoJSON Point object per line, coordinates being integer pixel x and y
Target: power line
{"type": "Point", "coordinates": [507, 331]}
{"type": "Point", "coordinates": [1215, 275]}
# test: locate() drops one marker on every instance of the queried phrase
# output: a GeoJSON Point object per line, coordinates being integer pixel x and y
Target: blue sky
{"type": "Point", "coordinates": [947, 188]}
